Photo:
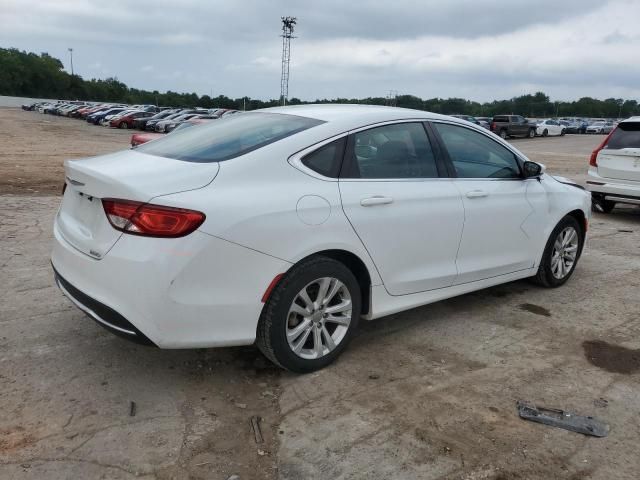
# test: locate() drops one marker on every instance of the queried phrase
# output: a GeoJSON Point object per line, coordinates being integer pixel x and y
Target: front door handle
{"type": "Point", "coordinates": [375, 200]}
{"type": "Point", "coordinates": [477, 194]}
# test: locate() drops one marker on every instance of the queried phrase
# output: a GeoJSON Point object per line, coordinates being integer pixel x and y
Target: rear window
{"type": "Point", "coordinates": [627, 135]}
{"type": "Point", "coordinates": [226, 139]}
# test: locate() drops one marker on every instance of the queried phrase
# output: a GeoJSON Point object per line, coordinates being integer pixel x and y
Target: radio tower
{"type": "Point", "coordinates": [287, 34]}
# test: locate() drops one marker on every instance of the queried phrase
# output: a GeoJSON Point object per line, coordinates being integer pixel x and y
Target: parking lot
{"type": "Point", "coordinates": [429, 393]}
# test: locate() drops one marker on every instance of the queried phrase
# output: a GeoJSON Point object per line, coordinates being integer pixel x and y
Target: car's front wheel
{"type": "Point", "coordinates": [310, 316]}
{"type": "Point", "coordinates": [561, 254]}
{"type": "Point", "coordinates": [532, 132]}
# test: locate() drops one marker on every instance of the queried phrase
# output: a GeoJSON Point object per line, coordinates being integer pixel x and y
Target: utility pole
{"type": "Point", "coordinates": [620, 111]}
{"type": "Point", "coordinates": [288, 24]}
{"type": "Point", "coordinates": [392, 98]}
{"type": "Point", "coordinates": [71, 54]}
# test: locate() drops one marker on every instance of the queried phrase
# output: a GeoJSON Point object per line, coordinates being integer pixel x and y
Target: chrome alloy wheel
{"type": "Point", "coordinates": [319, 318]}
{"type": "Point", "coordinates": [565, 252]}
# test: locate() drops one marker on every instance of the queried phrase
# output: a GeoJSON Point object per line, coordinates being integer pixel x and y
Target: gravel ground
{"type": "Point", "coordinates": [429, 393]}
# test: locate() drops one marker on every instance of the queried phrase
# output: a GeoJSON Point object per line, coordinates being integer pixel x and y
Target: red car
{"type": "Point", "coordinates": [140, 138]}
{"type": "Point", "coordinates": [84, 112]}
{"type": "Point", "coordinates": [126, 121]}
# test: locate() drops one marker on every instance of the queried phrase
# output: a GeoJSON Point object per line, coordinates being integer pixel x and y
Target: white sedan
{"type": "Point", "coordinates": [546, 128]}
{"type": "Point", "coordinates": [286, 226]}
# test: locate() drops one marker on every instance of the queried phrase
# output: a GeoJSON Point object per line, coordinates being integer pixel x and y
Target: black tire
{"type": "Point", "coordinates": [271, 333]}
{"type": "Point", "coordinates": [562, 132]}
{"type": "Point", "coordinates": [545, 132]}
{"type": "Point", "coordinates": [123, 125]}
{"type": "Point", "coordinates": [602, 206]}
{"type": "Point", "coordinates": [503, 134]}
{"type": "Point", "coordinates": [545, 277]}
{"type": "Point", "coordinates": [532, 133]}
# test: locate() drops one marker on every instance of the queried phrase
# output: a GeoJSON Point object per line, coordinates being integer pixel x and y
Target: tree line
{"type": "Point", "coordinates": [27, 74]}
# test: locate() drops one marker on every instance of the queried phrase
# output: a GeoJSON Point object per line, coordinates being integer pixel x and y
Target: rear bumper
{"type": "Point", "coordinates": [104, 316]}
{"type": "Point", "coordinates": [194, 292]}
{"type": "Point", "coordinates": [622, 191]}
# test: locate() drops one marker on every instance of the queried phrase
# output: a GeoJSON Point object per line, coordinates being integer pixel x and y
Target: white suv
{"type": "Point", "coordinates": [614, 167]}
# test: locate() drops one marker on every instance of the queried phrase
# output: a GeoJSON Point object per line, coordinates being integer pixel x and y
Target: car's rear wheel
{"type": "Point", "coordinates": [310, 316]}
{"type": "Point", "coordinates": [561, 254]}
{"type": "Point", "coordinates": [562, 132]}
{"type": "Point", "coordinates": [503, 134]}
{"type": "Point", "coordinates": [123, 125]}
{"type": "Point", "coordinates": [545, 132]}
{"type": "Point", "coordinates": [532, 133]}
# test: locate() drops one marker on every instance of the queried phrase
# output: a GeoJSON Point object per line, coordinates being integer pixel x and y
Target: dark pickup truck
{"type": "Point", "coordinates": [512, 126]}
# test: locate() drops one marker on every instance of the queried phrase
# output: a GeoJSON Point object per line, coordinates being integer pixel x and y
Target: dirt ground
{"type": "Point", "coordinates": [429, 393]}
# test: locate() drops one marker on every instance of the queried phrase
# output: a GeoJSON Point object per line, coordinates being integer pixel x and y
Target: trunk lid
{"type": "Point", "coordinates": [128, 175]}
{"type": "Point", "coordinates": [623, 164]}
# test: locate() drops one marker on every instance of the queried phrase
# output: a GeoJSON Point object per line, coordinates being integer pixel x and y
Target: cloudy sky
{"type": "Point", "coordinates": [477, 49]}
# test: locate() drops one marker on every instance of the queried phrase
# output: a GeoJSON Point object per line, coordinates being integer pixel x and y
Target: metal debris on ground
{"type": "Point", "coordinates": [601, 402]}
{"type": "Point", "coordinates": [257, 432]}
{"type": "Point", "coordinates": [132, 409]}
{"type": "Point", "coordinates": [562, 419]}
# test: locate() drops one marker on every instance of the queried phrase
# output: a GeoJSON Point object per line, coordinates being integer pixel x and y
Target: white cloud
{"type": "Point", "coordinates": [466, 48]}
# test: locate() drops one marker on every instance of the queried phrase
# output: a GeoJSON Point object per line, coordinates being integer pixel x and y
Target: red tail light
{"type": "Point", "coordinates": [493, 126]}
{"type": "Point", "coordinates": [149, 220]}
{"type": "Point", "coordinates": [593, 161]}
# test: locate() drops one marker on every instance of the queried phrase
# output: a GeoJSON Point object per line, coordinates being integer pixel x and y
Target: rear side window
{"type": "Point", "coordinates": [475, 155]}
{"type": "Point", "coordinates": [327, 159]}
{"type": "Point", "coordinates": [627, 135]}
{"type": "Point", "coordinates": [392, 151]}
{"type": "Point", "coordinates": [500, 118]}
{"type": "Point", "coordinates": [222, 140]}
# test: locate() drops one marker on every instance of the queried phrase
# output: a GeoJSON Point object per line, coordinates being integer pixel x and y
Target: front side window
{"type": "Point", "coordinates": [223, 140]}
{"type": "Point", "coordinates": [392, 151]}
{"type": "Point", "coordinates": [475, 155]}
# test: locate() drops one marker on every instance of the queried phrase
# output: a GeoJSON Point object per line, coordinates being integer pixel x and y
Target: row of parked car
{"type": "Point", "coordinates": [518, 126]}
{"type": "Point", "coordinates": [151, 118]}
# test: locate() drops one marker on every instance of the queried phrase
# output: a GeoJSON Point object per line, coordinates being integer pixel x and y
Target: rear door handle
{"type": "Point", "coordinates": [477, 194]}
{"type": "Point", "coordinates": [375, 200]}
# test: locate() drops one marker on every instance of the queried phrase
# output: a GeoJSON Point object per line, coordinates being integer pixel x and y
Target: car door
{"type": "Point", "coordinates": [523, 125]}
{"type": "Point", "coordinates": [556, 127]}
{"type": "Point", "coordinates": [496, 239]}
{"type": "Point", "coordinates": [407, 214]}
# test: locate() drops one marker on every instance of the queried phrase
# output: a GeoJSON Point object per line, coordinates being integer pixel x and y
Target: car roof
{"type": "Point", "coordinates": [358, 114]}
{"type": "Point", "coordinates": [631, 119]}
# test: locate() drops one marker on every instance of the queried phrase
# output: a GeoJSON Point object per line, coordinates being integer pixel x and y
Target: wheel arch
{"type": "Point", "coordinates": [581, 218]}
{"type": "Point", "coordinates": [356, 265]}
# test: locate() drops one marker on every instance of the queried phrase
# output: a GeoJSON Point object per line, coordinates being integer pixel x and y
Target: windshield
{"type": "Point", "coordinates": [236, 136]}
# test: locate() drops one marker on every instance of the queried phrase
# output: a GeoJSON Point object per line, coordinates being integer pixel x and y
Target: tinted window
{"type": "Point", "coordinates": [219, 141]}
{"type": "Point", "coordinates": [392, 151]}
{"type": "Point", "coordinates": [327, 159]}
{"type": "Point", "coordinates": [627, 135]}
{"type": "Point", "coordinates": [475, 155]}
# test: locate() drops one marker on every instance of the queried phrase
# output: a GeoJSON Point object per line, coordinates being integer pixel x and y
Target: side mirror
{"type": "Point", "coordinates": [532, 169]}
